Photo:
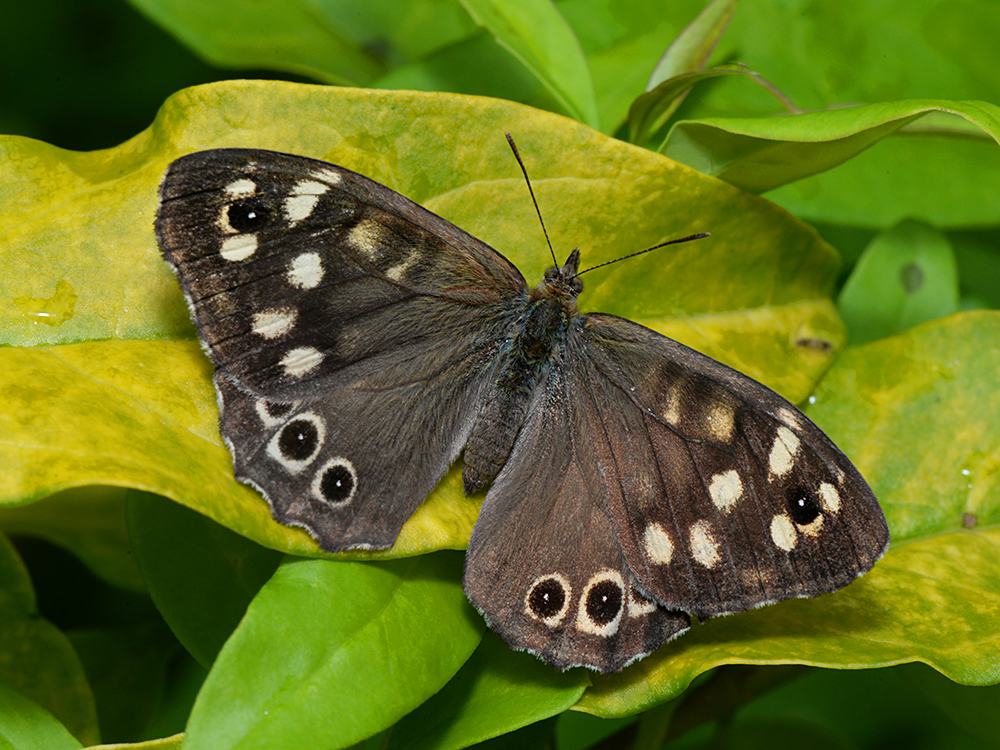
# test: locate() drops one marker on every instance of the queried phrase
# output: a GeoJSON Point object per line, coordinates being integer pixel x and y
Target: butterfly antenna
{"type": "Point", "coordinates": [517, 155]}
{"type": "Point", "coordinates": [648, 249]}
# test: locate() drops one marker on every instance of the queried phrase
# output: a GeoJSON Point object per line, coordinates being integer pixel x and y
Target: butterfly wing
{"type": "Point", "coordinates": [723, 495]}
{"type": "Point", "coordinates": [352, 332]}
{"type": "Point", "coordinates": [543, 565]}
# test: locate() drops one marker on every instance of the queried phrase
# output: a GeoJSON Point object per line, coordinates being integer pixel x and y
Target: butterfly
{"type": "Point", "coordinates": [362, 344]}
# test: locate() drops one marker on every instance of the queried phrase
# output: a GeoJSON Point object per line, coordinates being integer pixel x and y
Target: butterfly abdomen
{"type": "Point", "coordinates": [522, 367]}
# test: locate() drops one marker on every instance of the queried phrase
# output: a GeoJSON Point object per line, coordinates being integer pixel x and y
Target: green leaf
{"type": "Point", "coordinates": [24, 725]}
{"type": "Point", "coordinates": [275, 34]}
{"type": "Point", "coordinates": [496, 692]}
{"type": "Point", "coordinates": [536, 33]}
{"type": "Point", "coordinates": [765, 734]}
{"type": "Point", "coordinates": [853, 51]}
{"type": "Point", "coordinates": [87, 521]}
{"type": "Point", "coordinates": [978, 265]}
{"type": "Point", "coordinates": [865, 707]}
{"type": "Point", "coordinates": [127, 667]}
{"type": "Point", "coordinates": [142, 414]}
{"type": "Point", "coordinates": [201, 575]}
{"type": "Point", "coordinates": [760, 154]}
{"type": "Point", "coordinates": [901, 179]}
{"type": "Point", "coordinates": [621, 41]}
{"type": "Point", "coordinates": [685, 56]}
{"type": "Point", "coordinates": [39, 663]}
{"type": "Point", "coordinates": [906, 276]}
{"type": "Point", "coordinates": [478, 65]}
{"type": "Point", "coordinates": [933, 384]}
{"type": "Point", "coordinates": [332, 652]}
{"type": "Point", "coordinates": [650, 111]}
{"type": "Point", "coordinates": [973, 710]}
{"type": "Point", "coordinates": [691, 48]}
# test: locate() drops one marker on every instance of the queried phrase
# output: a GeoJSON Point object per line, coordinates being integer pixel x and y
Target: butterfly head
{"type": "Point", "coordinates": [564, 281]}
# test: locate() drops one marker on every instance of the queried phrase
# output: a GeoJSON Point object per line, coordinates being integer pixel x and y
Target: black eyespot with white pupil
{"type": "Point", "coordinates": [604, 602]}
{"type": "Point", "coordinates": [299, 440]}
{"type": "Point", "coordinates": [249, 215]}
{"type": "Point", "coordinates": [547, 598]}
{"type": "Point", "coordinates": [802, 506]}
{"type": "Point", "coordinates": [336, 483]}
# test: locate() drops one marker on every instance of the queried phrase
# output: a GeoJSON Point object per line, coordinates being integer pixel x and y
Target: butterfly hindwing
{"type": "Point", "coordinates": [724, 496]}
{"type": "Point", "coordinates": [544, 566]}
{"type": "Point", "coordinates": [352, 331]}
{"type": "Point", "coordinates": [345, 467]}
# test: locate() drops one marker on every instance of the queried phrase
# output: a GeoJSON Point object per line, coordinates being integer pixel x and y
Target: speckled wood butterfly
{"type": "Point", "coordinates": [361, 343]}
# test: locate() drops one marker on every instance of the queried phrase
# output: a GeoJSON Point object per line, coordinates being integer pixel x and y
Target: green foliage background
{"type": "Point", "coordinates": [144, 593]}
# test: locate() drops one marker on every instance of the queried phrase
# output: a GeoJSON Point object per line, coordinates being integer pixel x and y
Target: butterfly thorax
{"type": "Point", "coordinates": [522, 365]}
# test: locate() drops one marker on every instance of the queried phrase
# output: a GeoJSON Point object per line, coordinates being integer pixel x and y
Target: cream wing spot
{"type": "Point", "coordinates": [672, 407]}
{"type": "Point", "coordinates": [720, 418]}
{"type": "Point", "coordinates": [303, 199]}
{"type": "Point", "coordinates": [602, 604]}
{"type": "Point", "coordinates": [396, 272]}
{"type": "Point", "coordinates": [783, 533]}
{"type": "Point", "coordinates": [638, 605]}
{"type": "Point", "coordinates": [272, 324]}
{"type": "Point", "coordinates": [704, 548]}
{"type": "Point", "coordinates": [273, 414]}
{"type": "Point", "coordinates": [300, 360]}
{"type": "Point", "coordinates": [238, 247]}
{"type": "Point", "coordinates": [367, 236]}
{"type": "Point", "coordinates": [790, 418]}
{"type": "Point", "coordinates": [782, 457]}
{"type": "Point", "coordinates": [548, 599]}
{"type": "Point", "coordinates": [657, 543]}
{"type": "Point", "coordinates": [726, 488]}
{"type": "Point", "coordinates": [830, 498]}
{"type": "Point", "coordinates": [327, 175]}
{"type": "Point", "coordinates": [241, 188]}
{"type": "Point", "coordinates": [306, 271]}
{"type": "Point", "coordinates": [813, 528]}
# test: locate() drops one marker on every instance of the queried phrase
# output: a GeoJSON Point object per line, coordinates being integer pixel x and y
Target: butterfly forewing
{"type": "Point", "coordinates": [301, 275]}
{"type": "Point", "coordinates": [723, 495]}
{"type": "Point", "coordinates": [352, 331]}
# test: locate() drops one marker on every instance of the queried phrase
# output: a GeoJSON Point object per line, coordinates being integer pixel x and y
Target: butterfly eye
{"type": "Point", "coordinates": [249, 215]}
{"type": "Point", "coordinates": [802, 506]}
